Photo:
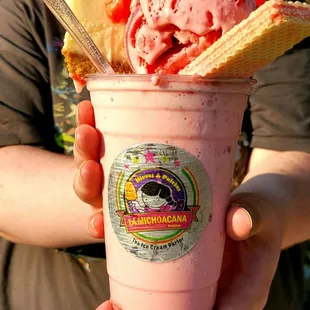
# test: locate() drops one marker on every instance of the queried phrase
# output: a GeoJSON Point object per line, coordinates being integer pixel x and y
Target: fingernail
{"type": "Point", "coordinates": [92, 224]}
{"type": "Point", "coordinates": [238, 213]}
{"type": "Point", "coordinates": [76, 132]}
{"type": "Point", "coordinates": [77, 121]}
{"type": "Point", "coordinates": [80, 168]}
{"type": "Point", "coordinates": [96, 226]}
{"type": "Point", "coordinates": [249, 217]}
{"type": "Point", "coordinates": [76, 147]}
{"type": "Point", "coordinates": [247, 213]}
{"type": "Point", "coordinates": [82, 164]}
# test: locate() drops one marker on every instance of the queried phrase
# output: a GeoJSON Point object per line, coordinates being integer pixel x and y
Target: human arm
{"type": "Point", "coordinates": [284, 179]}
{"type": "Point", "coordinates": [281, 137]}
{"type": "Point", "coordinates": [38, 204]}
{"type": "Point", "coordinates": [37, 201]}
{"type": "Point", "coordinates": [269, 211]}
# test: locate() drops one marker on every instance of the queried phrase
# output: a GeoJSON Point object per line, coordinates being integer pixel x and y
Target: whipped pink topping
{"type": "Point", "coordinates": [163, 36]}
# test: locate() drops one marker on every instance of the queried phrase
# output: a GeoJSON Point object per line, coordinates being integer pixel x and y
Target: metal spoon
{"type": "Point", "coordinates": [66, 17]}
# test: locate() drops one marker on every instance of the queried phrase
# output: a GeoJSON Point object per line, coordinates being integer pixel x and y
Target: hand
{"type": "Point", "coordinates": [255, 229]}
{"type": "Point", "coordinates": [88, 181]}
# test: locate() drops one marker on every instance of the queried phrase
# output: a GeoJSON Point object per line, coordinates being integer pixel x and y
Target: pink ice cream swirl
{"type": "Point", "coordinates": [163, 36]}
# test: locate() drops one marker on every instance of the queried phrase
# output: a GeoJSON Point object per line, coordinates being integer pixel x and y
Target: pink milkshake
{"type": "Point", "coordinates": [168, 156]}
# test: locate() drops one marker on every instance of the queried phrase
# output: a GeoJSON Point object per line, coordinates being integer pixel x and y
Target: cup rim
{"type": "Point", "coordinates": [167, 77]}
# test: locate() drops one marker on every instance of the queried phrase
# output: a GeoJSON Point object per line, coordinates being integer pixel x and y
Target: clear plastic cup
{"type": "Point", "coordinates": [168, 150]}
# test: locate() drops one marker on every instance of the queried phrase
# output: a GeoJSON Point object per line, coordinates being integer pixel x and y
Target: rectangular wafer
{"type": "Point", "coordinates": [267, 33]}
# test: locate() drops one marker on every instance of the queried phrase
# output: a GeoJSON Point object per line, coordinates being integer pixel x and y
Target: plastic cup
{"type": "Point", "coordinates": [168, 150]}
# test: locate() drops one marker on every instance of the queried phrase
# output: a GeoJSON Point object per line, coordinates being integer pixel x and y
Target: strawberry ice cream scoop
{"type": "Point", "coordinates": [163, 36]}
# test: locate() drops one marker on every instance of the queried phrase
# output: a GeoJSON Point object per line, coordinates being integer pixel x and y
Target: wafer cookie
{"type": "Point", "coordinates": [267, 33]}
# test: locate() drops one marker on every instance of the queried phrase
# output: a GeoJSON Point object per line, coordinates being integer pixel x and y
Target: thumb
{"type": "Point", "coordinates": [239, 223]}
{"type": "Point", "coordinates": [251, 254]}
{"type": "Point", "coordinates": [243, 218]}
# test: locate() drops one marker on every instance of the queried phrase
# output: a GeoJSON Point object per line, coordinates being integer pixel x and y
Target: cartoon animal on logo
{"type": "Point", "coordinates": [151, 197]}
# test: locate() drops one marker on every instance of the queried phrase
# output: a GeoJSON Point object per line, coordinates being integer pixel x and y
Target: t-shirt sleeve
{"type": "Point", "coordinates": [25, 95]}
{"type": "Point", "coordinates": [280, 102]}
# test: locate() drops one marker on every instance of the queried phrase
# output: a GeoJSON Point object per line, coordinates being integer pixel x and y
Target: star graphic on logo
{"type": "Point", "coordinates": [164, 159]}
{"type": "Point", "coordinates": [177, 163]}
{"type": "Point", "coordinates": [135, 159]}
{"type": "Point", "coordinates": [149, 156]}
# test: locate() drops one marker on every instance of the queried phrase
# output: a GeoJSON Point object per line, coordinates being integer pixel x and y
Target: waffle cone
{"type": "Point", "coordinates": [266, 34]}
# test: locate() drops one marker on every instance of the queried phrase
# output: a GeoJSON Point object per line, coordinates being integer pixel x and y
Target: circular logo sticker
{"type": "Point", "coordinates": [159, 201]}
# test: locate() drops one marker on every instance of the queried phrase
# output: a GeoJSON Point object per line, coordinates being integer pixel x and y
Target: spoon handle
{"type": "Point", "coordinates": [66, 17]}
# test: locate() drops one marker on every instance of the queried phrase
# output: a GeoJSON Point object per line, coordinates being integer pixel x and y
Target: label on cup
{"type": "Point", "coordinates": [159, 201]}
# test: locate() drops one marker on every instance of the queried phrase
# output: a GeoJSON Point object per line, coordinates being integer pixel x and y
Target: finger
{"type": "Point", "coordinates": [249, 214]}
{"type": "Point", "coordinates": [87, 144]}
{"type": "Point", "coordinates": [259, 213]}
{"type": "Point", "coordinates": [107, 306]}
{"type": "Point", "coordinates": [85, 114]}
{"type": "Point", "coordinates": [88, 183]}
{"type": "Point", "coordinates": [96, 225]}
{"type": "Point", "coordinates": [239, 223]}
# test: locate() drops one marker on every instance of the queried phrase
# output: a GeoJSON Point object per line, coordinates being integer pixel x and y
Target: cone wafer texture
{"type": "Point", "coordinates": [265, 35]}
